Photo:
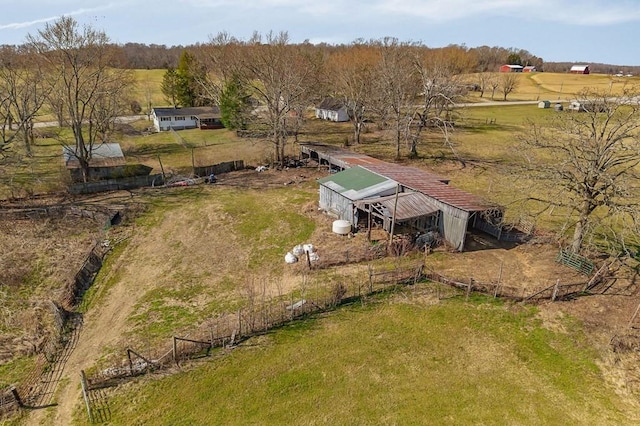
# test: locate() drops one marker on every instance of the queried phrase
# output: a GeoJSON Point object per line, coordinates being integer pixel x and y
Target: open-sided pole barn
{"type": "Point", "coordinates": [458, 211]}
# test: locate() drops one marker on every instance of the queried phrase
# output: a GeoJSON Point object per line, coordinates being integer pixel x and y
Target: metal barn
{"type": "Point", "coordinates": [412, 212]}
{"type": "Point", "coordinates": [347, 193]}
{"type": "Point", "coordinates": [339, 191]}
{"type": "Point", "coordinates": [460, 211]}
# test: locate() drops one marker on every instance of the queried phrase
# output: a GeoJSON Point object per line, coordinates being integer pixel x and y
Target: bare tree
{"type": "Point", "coordinates": [482, 82]}
{"type": "Point", "coordinates": [282, 77]}
{"type": "Point", "coordinates": [22, 94]}
{"type": "Point", "coordinates": [586, 163]}
{"type": "Point", "coordinates": [92, 87]}
{"type": "Point", "coordinates": [353, 70]}
{"type": "Point", "coordinates": [509, 82]}
{"type": "Point", "coordinates": [396, 82]}
{"type": "Point", "coordinates": [441, 87]}
{"type": "Point", "coordinates": [494, 83]}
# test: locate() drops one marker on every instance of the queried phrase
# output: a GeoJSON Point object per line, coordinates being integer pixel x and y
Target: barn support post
{"type": "Point", "coordinates": [369, 223]}
{"type": "Point", "coordinates": [393, 217]}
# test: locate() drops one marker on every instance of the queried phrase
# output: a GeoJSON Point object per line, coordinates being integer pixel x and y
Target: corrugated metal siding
{"type": "Point", "coordinates": [456, 205]}
{"type": "Point", "coordinates": [453, 225]}
{"type": "Point", "coordinates": [335, 203]}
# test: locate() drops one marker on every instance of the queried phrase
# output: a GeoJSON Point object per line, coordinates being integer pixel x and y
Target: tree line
{"type": "Point", "coordinates": [267, 83]}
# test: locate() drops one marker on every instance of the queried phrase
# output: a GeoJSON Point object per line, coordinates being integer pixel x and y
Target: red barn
{"type": "Point", "coordinates": [511, 68]}
{"type": "Point", "coordinates": [579, 69]}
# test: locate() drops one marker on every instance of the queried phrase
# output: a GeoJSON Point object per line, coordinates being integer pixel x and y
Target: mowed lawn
{"type": "Point", "coordinates": [408, 359]}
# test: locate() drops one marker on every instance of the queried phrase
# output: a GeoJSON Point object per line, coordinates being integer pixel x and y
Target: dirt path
{"type": "Point", "coordinates": [102, 328]}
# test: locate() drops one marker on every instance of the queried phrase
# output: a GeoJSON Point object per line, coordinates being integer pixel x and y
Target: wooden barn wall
{"type": "Point", "coordinates": [337, 204]}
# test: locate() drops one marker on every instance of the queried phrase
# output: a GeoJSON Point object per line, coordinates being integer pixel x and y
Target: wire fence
{"type": "Point", "coordinates": [258, 316]}
{"type": "Point", "coordinates": [262, 313]}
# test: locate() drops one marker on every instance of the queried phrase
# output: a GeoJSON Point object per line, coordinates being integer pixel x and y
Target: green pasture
{"type": "Point", "coordinates": [213, 241]}
{"type": "Point", "coordinates": [555, 86]}
{"type": "Point", "coordinates": [147, 88]}
{"type": "Point", "coordinates": [398, 362]}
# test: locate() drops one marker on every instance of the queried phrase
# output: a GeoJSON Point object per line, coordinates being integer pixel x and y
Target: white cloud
{"type": "Point", "coordinates": [26, 24]}
{"type": "Point", "coordinates": [586, 12]}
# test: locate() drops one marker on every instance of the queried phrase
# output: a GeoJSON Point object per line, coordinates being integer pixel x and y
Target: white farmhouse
{"type": "Point", "coordinates": [167, 118]}
{"type": "Point", "coordinates": [332, 109]}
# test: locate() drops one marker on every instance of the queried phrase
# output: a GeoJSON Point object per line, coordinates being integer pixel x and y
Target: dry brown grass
{"type": "Point", "coordinates": [39, 257]}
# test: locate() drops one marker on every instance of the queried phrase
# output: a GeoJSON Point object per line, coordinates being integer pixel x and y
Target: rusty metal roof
{"type": "Point", "coordinates": [413, 178]}
{"type": "Point", "coordinates": [426, 182]}
{"type": "Point", "coordinates": [410, 205]}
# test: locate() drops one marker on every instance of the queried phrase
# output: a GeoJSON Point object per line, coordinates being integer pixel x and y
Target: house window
{"type": "Point", "coordinates": [165, 118]}
{"type": "Point", "coordinates": [194, 118]}
{"type": "Point", "coordinates": [180, 118]}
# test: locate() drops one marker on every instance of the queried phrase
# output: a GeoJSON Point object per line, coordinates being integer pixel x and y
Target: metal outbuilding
{"type": "Point", "coordinates": [340, 191]}
{"type": "Point", "coordinates": [412, 211]}
{"type": "Point", "coordinates": [342, 194]}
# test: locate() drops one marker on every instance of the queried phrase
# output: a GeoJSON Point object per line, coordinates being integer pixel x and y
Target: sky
{"type": "Point", "coordinates": [580, 31]}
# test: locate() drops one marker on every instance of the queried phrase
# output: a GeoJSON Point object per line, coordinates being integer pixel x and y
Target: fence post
{"type": "Point", "coordinates": [130, 362]}
{"type": "Point", "coordinates": [291, 306]}
{"type": "Point", "coordinates": [466, 298]}
{"type": "Point", "coordinates": [85, 388]}
{"type": "Point", "coordinates": [174, 350]}
{"type": "Point", "coordinates": [555, 290]}
{"type": "Point", "coordinates": [239, 322]}
{"type": "Point", "coordinates": [16, 396]}
{"type": "Point", "coordinates": [495, 293]}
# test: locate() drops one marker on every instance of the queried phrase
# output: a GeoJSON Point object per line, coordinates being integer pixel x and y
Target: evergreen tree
{"type": "Point", "coordinates": [189, 73]}
{"type": "Point", "coordinates": [169, 86]}
{"type": "Point", "coordinates": [234, 104]}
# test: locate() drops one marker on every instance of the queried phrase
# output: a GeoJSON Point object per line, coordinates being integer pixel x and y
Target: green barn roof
{"type": "Point", "coordinates": [357, 183]}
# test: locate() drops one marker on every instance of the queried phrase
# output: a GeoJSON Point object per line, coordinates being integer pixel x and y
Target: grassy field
{"type": "Point", "coordinates": [556, 86]}
{"type": "Point", "coordinates": [405, 360]}
{"type": "Point", "coordinates": [194, 251]}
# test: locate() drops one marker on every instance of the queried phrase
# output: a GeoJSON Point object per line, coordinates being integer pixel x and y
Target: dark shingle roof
{"type": "Point", "coordinates": [202, 112]}
{"type": "Point", "coordinates": [331, 104]}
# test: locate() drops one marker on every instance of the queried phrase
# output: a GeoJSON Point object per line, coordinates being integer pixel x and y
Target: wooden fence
{"type": "Point", "coordinates": [132, 182]}
{"type": "Point", "coordinates": [216, 169]}
{"type": "Point", "coordinates": [257, 318]}
{"type": "Point", "coordinates": [39, 385]}
{"type": "Point", "coordinates": [254, 319]}
{"type": "Point", "coordinates": [10, 402]}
